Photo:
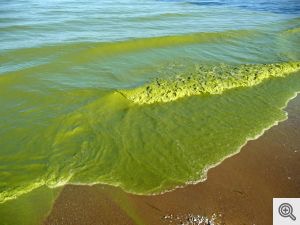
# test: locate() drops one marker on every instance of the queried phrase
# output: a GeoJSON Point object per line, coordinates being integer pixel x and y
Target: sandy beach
{"type": "Point", "coordinates": [238, 191]}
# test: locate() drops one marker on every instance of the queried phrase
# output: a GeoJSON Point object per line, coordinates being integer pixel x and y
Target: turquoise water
{"type": "Point", "coordinates": [144, 95]}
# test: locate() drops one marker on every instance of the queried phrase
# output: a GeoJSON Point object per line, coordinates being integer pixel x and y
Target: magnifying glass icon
{"type": "Point", "coordinates": [286, 210]}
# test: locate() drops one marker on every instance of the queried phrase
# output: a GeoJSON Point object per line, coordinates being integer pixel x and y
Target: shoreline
{"type": "Point", "coordinates": [238, 190]}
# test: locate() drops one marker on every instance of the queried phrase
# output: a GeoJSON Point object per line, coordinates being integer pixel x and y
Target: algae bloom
{"type": "Point", "coordinates": [207, 80]}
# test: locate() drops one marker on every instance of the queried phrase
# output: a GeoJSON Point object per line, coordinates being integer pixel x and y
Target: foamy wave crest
{"type": "Point", "coordinates": [207, 80]}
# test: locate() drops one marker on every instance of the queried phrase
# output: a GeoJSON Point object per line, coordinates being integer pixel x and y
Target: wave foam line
{"type": "Point", "coordinates": [207, 80]}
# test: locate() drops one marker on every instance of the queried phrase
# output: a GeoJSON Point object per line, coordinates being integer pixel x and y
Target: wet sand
{"type": "Point", "coordinates": [238, 191]}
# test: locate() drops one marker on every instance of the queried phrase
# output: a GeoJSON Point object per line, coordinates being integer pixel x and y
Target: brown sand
{"type": "Point", "coordinates": [239, 191]}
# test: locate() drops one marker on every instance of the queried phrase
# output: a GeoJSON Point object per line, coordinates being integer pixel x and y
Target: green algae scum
{"type": "Point", "coordinates": [214, 80]}
{"type": "Point", "coordinates": [143, 95]}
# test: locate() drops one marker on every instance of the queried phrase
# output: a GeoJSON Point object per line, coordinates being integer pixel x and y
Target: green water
{"type": "Point", "coordinates": [144, 95]}
{"type": "Point", "coordinates": [201, 80]}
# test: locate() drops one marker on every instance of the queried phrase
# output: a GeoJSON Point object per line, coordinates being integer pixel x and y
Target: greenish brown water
{"type": "Point", "coordinates": [75, 77]}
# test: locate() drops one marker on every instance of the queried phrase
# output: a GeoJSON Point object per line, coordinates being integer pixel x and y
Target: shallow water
{"type": "Point", "coordinates": [64, 117]}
